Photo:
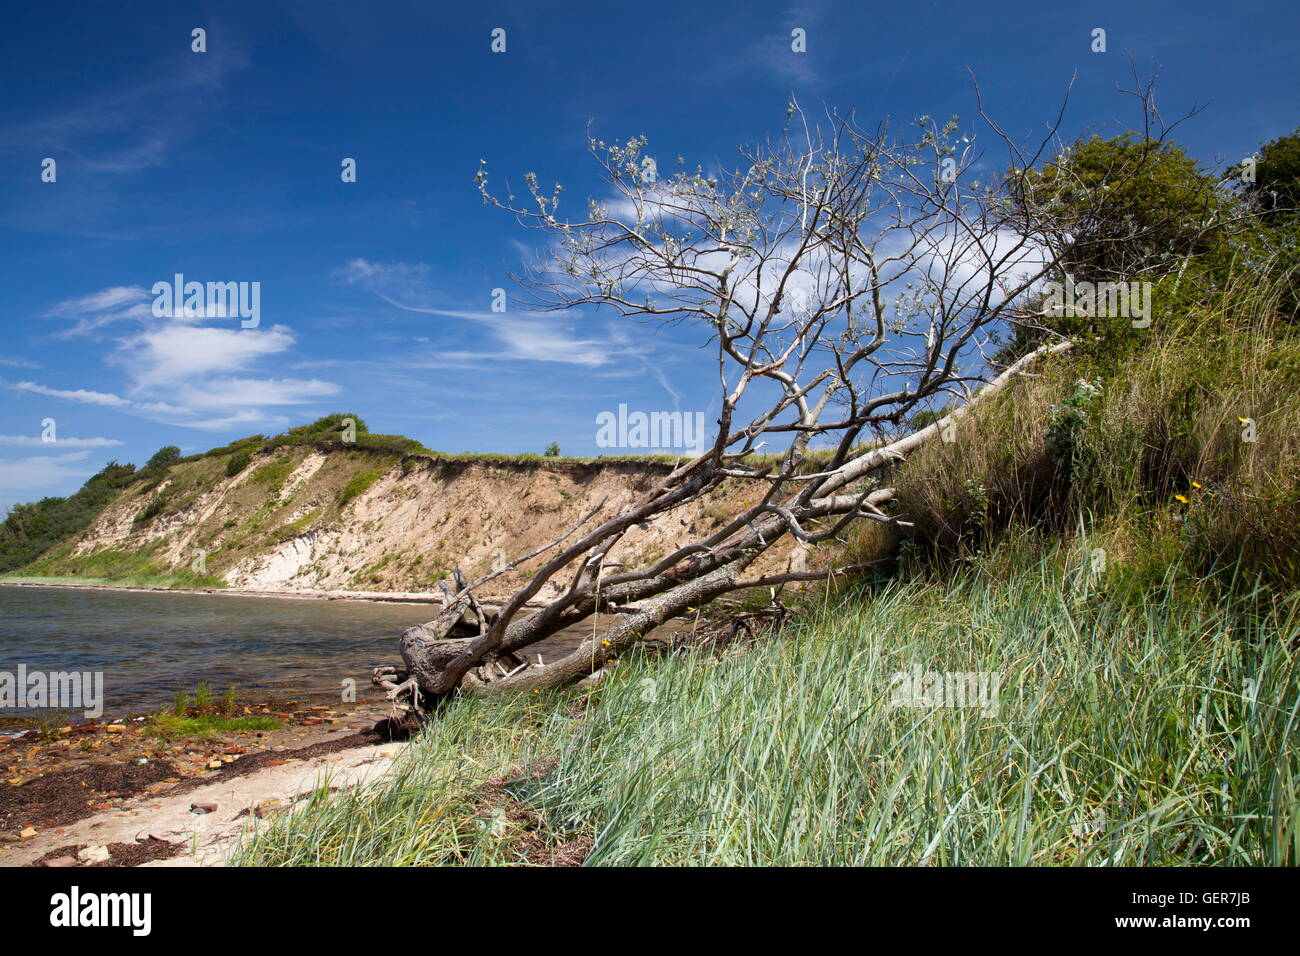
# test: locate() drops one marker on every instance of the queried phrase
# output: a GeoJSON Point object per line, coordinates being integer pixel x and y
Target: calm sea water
{"type": "Point", "coordinates": [148, 643]}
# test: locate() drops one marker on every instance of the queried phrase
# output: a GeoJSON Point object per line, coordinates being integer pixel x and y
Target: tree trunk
{"type": "Point", "coordinates": [468, 650]}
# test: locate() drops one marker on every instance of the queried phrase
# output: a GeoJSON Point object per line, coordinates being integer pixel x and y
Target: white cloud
{"type": "Point", "coordinates": [98, 309]}
{"type": "Point", "coordinates": [526, 336]}
{"type": "Point", "coordinates": [34, 440]}
{"type": "Point", "coordinates": [250, 392]}
{"type": "Point", "coordinates": [181, 375]}
{"type": "Point", "coordinates": [180, 371]}
{"type": "Point", "coordinates": [174, 354]}
{"type": "Point", "coordinates": [83, 395]}
{"type": "Point", "coordinates": [110, 298]}
{"type": "Point", "coordinates": [531, 337]}
{"type": "Point", "coordinates": [40, 472]}
{"type": "Point", "coordinates": [238, 417]}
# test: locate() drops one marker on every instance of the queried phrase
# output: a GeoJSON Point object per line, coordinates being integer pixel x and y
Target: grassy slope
{"type": "Point", "coordinates": [1122, 737]}
{"type": "Point", "coordinates": [1183, 452]}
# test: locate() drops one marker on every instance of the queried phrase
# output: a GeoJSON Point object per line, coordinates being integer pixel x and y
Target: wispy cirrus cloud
{"type": "Point", "coordinates": [181, 370]}
{"type": "Point", "coordinates": [37, 441]}
{"type": "Point", "coordinates": [517, 336]}
{"type": "Point", "coordinates": [770, 52]}
{"type": "Point", "coordinates": [131, 129]}
{"type": "Point", "coordinates": [125, 303]}
{"type": "Point", "coordinates": [102, 139]}
{"type": "Point", "coordinates": [83, 395]}
{"type": "Point", "coordinates": [102, 308]}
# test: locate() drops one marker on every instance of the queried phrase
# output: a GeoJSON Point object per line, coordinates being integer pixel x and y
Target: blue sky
{"type": "Point", "coordinates": [375, 295]}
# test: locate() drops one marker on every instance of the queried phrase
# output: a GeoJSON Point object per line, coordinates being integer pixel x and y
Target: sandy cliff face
{"type": "Point", "coordinates": [300, 519]}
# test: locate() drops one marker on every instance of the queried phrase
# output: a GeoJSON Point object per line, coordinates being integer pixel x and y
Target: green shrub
{"type": "Point", "coordinates": [1159, 442]}
{"type": "Point", "coordinates": [244, 444]}
{"type": "Point", "coordinates": [237, 463]}
{"type": "Point", "coordinates": [164, 457]}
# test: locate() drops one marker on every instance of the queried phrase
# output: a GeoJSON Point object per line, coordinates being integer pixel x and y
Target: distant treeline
{"type": "Point", "coordinates": [31, 529]}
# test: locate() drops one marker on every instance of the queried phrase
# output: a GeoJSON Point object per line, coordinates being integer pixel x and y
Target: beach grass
{"type": "Point", "coordinates": [1131, 727]}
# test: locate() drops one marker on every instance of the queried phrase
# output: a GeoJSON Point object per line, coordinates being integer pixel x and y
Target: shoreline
{"type": "Point", "coordinates": [119, 786]}
{"type": "Point", "coordinates": [16, 728]}
{"type": "Point", "coordinates": [491, 603]}
{"type": "Point", "coordinates": [368, 597]}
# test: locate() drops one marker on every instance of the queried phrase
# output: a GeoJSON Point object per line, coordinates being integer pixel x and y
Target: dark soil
{"type": "Point", "coordinates": [525, 828]}
{"type": "Point", "coordinates": [120, 854]}
{"type": "Point", "coordinates": [67, 795]}
{"type": "Point", "coordinates": [52, 779]}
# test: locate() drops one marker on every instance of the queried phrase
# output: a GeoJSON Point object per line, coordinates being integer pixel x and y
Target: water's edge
{"type": "Point", "coordinates": [379, 597]}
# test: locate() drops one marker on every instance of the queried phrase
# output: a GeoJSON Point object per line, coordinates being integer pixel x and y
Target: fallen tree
{"type": "Point", "coordinates": [846, 278]}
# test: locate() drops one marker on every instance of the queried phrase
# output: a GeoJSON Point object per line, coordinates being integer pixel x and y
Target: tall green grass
{"type": "Point", "coordinates": [1152, 726]}
{"type": "Point", "coordinates": [1186, 443]}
